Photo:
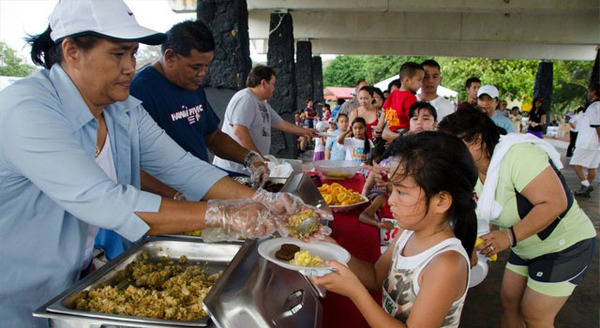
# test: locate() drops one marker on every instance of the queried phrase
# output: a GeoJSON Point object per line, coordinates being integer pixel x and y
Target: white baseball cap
{"type": "Point", "coordinates": [106, 18]}
{"type": "Point", "coordinates": [489, 90]}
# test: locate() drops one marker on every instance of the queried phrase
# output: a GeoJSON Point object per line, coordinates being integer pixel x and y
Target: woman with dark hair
{"type": "Point", "coordinates": [367, 110]}
{"type": "Point", "coordinates": [435, 209]}
{"type": "Point", "coordinates": [537, 118]}
{"type": "Point", "coordinates": [72, 143]}
{"type": "Point", "coordinates": [522, 192]}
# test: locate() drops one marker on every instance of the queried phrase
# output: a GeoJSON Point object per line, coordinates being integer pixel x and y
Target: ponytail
{"type": "Point", "coordinates": [464, 223]}
{"type": "Point", "coordinates": [44, 52]}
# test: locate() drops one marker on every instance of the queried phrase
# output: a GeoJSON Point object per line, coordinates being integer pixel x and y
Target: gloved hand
{"type": "Point", "coordinates": [283, 205]}
{"type": "Point", "coordinates": [231, 219]}
{"type": "Point", "coordinates": [259, 171]}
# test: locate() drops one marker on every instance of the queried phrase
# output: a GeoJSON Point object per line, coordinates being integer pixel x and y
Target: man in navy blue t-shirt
{"type": "Point", "coordinates": [172, 93]}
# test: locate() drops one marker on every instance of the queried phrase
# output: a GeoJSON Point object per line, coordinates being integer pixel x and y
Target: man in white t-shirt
{"type": "Point", "coordinates": [431, 81]}
{"type": "Point", "coordinates": [249, 118]}
{"type": "Point", "coordinates": [587, 147]}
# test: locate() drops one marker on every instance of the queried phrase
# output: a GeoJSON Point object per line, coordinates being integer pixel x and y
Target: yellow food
{"type": "Point", "coordinates": [336, 194]}
{"type": "Point", "coordinates": [304, 258]}
{"type": "Point", "coordinates": [165, 289]}
{"type": "Point", "coordinates": [479, 241]}
{"type": "Point", "coordinates": [295, 220]}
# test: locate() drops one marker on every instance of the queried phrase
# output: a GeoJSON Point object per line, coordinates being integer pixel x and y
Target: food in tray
{"type": "Point", "coordinates": [305, 258]}
{"type": "Point", "coordinates": [164, 289]}
{"type": "Point", "coordinates": [286, 252]}
{"type": "Point", "coordinates": [338, 176]}
{"type": "Point", "coordinates": [298, 229]}
{"type": "Point", "coordinates": [193, 233]}
{"type": "Point", "coordinates": [336, 194]}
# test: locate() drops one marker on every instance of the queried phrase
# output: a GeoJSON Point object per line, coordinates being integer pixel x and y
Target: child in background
{"type": "Point", "coordinates": [435, 209]}
{"type": "Point", "coordinates": [333, 150]}
{"type": "Point", "coordinates": [319, 151]}
{"type": "Point", "coordinates": [378, 197]}
{"type": "Point", "coordinates": [423, 117]}
{"type": "Point", "coordinates": [358, 146]}
{"type": "Point", "coordinates": [326, 112]}
{"type": "Point", "coordinates": [395, 108]}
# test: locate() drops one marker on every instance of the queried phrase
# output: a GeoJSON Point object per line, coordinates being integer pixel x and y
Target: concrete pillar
{"type": "Point", "coordinates": [317, 65]}
{"type": "Point", "coordinates": [228, 20]}
{"type": "Point", "coordinates": [304, 73]}
{"type": "Point", "coordinates": [280, 57]}
{"type": "Point", "coordinates": [595, 78]}
{"type": "Point", "coordinates": [543, 87]}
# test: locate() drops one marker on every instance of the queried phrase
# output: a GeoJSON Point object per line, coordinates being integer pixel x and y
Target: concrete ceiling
{"type": "Point", "coordinates": [512, 29]}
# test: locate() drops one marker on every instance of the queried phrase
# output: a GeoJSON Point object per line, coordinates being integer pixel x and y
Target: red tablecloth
{"type": "Point", "coordinates": [360, 240]}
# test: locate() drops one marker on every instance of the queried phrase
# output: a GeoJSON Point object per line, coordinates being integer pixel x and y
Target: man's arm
{"type": "Point", "coordinates": [222, 145]}
{"type": "Point", "coordinates": [288, 127]}
{"type": "Point", "coordinates": [243, 137]}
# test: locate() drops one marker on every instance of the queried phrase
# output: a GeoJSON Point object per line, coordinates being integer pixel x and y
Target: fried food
{"type": "Point", "coordinates": [163, 289]}
{"type": "Point", "coordinates": [295, 220]}
{"type": "Point", "coordinates": [286, 252]}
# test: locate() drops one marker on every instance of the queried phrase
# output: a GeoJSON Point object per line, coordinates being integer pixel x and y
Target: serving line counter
{"type": "Point", "coordinates": [252, 292]}
{"type": "Point", "coordinates": [361, 241]}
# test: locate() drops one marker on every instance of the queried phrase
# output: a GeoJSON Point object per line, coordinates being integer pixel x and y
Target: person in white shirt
{"type": "Point", "coordinates": [587, 147]}
{"type": "Point", "coordinates": [431, 81]}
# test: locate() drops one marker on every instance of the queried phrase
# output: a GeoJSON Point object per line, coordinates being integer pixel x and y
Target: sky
{"type": "Point", "coordinates": [21, 17]}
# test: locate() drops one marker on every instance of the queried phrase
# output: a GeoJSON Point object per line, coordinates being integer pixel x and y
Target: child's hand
{"type": "Point", "coordinates": [387, 225]}
{"type": "Point", "coordinates": [381, 174]}
{"type": "Point", "coordinates": [343, 281]}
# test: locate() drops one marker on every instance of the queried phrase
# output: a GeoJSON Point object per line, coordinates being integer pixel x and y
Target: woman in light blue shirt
{"type": "Point", "coordinates": [72, 143]}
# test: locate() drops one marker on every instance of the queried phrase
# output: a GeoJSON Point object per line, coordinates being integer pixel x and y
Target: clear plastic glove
{"type": "Point", "coordinates": [259, 172]}
{"type": "Point", "coordinates": [283, 205]}
{"type": "Point", "coordinates": [232, 219]}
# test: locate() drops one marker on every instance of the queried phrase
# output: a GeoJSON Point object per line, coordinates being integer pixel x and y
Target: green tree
{"type": "Point", "coordinates": [11, 64]}
{"type": "Point", "coordinates": [515, 79]}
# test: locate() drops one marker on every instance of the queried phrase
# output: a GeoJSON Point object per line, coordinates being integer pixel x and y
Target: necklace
{"type": "Point", "coordinates": [97, 152]}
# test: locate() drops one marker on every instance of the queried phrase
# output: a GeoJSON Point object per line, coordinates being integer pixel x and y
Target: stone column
{"type": "Point", "coordinates": [228, 20]}
{"type": "Point", "coordinates": [595, 78]}
{"type": "Point", "coordinates": [304, 73]}
{"type": "Point", "coordinates": [280, 57]}
{"type": "Point", "coordinates": [317, 65]}
{"type": "Point", "coordinates": [543, 87]}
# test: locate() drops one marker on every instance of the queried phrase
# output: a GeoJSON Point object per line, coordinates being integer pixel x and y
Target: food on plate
{"type": "Point", "coordinates": [296, 221]}
{"type": "Point", "coordinates": [286, 252]}
{"type": "Point", "coordinates": [336, 194]}
{"type": "Point", "coordinates": [304, 258]}
{"type": "Point", "coordinates": [163, 289]}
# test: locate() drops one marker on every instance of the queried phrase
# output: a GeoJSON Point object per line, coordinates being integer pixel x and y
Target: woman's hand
{"type": "Point", "coordinates": [493, 243]}
{"type": "Point", "coordinates": [343, 281]}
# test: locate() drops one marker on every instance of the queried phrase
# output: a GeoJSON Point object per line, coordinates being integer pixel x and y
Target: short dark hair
{"type": "Point", "coordinates": [409, 69]}
{"type": "Point", "coordinates": [432, 63]}
{"type": "Point", "coordinates": [258, 74]}
{"type": "Point", "coordinates": [359, 82]}
{"type": "Point", "coordinates": [326, 105]}
{"type": "Point", "coordinates": [596, 88]}
{"type": "Point", "coordinates": [396, 83]}
{"type": "Point", "coordinates": [422, 105]}
{"type": "Point", "coordinates": [471, 80]}
{"type": "Point", "coordinates": [188, 35]}
{"type": "Point", "coordinates": [340, 101]}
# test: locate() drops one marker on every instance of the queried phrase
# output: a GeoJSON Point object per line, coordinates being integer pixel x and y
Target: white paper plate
{"type": "Point", "coordinates": [345, 208]}
{"type": "Point", "coordinates": [327, 251]}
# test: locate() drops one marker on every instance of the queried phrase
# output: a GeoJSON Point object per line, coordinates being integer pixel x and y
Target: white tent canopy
{"type": "Point", "coordinates": [441, 91]}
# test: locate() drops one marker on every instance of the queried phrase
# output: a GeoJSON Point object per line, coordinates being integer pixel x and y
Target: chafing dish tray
{"type": "Point", "coordinates": [214, 257]}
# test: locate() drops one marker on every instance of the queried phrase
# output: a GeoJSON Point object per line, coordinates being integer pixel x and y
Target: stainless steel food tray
{"type": "Point", "coordinates": [216, 256]}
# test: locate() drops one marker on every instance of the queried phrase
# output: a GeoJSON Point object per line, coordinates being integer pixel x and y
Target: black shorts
{"type": "Point", "coordinates": [568, 265]}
